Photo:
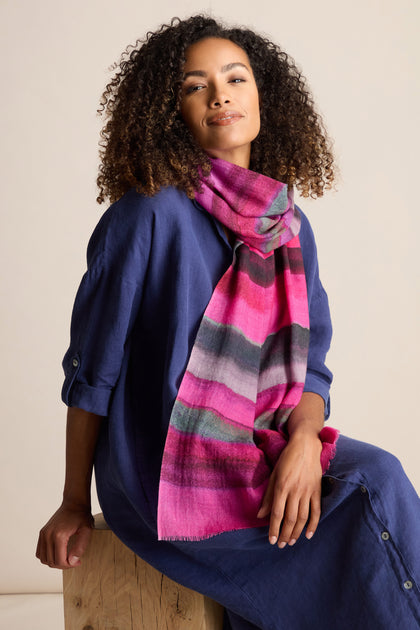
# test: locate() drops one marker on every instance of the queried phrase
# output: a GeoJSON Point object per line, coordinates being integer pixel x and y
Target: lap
{"type": "Point", "coordinates": [366, 544]}
{"type": "Point", "coordinates": [347, 576]}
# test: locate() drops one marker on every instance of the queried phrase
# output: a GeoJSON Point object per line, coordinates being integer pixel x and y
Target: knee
{"type": "Point", "coordinates": [382, 465]}
{"type": "Point", "coordinates": [372, 462]}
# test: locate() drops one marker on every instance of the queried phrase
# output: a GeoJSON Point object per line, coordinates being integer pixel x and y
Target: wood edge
{"type": "Point", "coordinates": [99, 522]}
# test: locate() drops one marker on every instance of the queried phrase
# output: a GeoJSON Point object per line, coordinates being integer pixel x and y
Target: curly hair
{"type": "Point", "coordinates": [146, 144]}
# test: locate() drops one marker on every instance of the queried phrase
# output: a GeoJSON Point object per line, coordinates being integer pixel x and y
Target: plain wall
{"type": "Point", "coordinates": [362, 62]}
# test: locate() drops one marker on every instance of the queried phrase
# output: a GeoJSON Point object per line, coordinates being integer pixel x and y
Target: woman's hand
{"type": "Point", "coordinates": [53, 543]}
{"type": "Point", "coordinates": [73, 518]}
{"type": "Point", "coordinates": [293, 493]}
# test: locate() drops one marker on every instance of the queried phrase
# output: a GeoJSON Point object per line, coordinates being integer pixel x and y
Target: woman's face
{"type": "Point", "coordinates": [220, 102]}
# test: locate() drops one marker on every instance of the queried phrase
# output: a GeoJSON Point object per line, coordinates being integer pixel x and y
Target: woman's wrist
{"type": "Point", "coordinates": [306, 427]}
{"type": "Point", "coordinates": [77, 503]}
{"type": "Point", "coordinates": [307, 418]}
{"type": "Point", "coordinates": [306, 439]}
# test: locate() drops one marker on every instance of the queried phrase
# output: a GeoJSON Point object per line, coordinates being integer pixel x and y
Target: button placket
{"type": "Point", "coordinates": [408, 584]}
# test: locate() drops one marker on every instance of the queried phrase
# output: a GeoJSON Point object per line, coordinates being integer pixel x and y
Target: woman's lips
{"type": "Point", "coordinates": [227, 118]}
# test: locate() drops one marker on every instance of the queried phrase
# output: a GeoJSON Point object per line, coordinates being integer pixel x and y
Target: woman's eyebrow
{"type": "Point", "coordinates": [226, 68]}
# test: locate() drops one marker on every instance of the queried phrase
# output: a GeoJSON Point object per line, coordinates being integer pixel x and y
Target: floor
{"type": "Point", "coordinates": [43, 611]}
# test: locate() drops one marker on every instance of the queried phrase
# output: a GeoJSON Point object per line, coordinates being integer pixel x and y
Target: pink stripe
{"type": "Point", "coordinates": [240, 284]}
{"type": "Point", "coordinates": [287, 396]}
{"type": "Point", "coordinates": [294, 242]}
{"type": "Point", "coordinates": [222, 309]}
{"type": "Point", "coordinates": [175, 503]}
{"type": "Point", "coordinates": [209, 450]}
{"type": "Point", "coordinates": [252, 328]}
{"type": "Point", "coordinates": [218, 398]}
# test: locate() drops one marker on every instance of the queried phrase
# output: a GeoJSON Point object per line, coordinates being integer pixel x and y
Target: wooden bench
{"type": "Point", "coordinates": [114, 589]}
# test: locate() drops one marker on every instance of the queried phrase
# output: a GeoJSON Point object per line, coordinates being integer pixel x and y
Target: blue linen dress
{"type": "Point", "coordinates": [153, 264]}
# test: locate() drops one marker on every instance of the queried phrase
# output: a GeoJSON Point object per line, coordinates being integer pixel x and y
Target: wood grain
{"type": "Point", "coordinates": [114, 589]}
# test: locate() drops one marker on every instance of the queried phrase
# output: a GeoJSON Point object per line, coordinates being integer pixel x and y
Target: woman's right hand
{"type": "Point", "coordinates": [68, 522]}
{"type": "Point", "coordinates": [64, 539]}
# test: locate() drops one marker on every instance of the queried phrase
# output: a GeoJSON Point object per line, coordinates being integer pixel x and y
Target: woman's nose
{"type": "Point", "coordinates": [218, 97]}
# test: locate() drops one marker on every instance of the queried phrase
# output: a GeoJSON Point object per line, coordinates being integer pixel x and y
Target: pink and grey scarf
{"type": "Point", "coordinates": [247, 367]}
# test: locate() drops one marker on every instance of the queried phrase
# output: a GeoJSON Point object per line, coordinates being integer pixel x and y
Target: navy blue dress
{"type": "Point", "coordinates": [153, 264]}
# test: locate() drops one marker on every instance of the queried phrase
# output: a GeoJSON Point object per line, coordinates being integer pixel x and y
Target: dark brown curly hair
{"type": "Point", "coordinates": [146, 144]}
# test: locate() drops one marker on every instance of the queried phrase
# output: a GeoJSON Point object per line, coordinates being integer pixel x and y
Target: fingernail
{"type": "Point", "coordinates": [272, 540]}
{"type": "Point", "coordinates": [74, 559]}
{"type": "Point", "coordinates": [292, 542]}
{"type": "Point", "coordinates": [309, 535]}
{"type": "Point", "coordinates": [282, 545]}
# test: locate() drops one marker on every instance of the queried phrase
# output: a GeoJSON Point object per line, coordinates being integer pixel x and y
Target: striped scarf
{"type": "Point", "coordinates": [246, 369]}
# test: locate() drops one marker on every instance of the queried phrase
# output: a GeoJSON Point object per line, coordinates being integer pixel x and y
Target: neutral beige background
{"type": "Point", "coordinates": [362, 61]}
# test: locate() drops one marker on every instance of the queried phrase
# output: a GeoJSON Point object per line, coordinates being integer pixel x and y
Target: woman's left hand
{"type": "Point", "coordinates": [293, 493]}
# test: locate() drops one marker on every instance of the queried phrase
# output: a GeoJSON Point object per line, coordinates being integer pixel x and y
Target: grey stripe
{"type": "Point", "coordinates": [225, 355]}
{"type": "Point", "coordinates": [281, 375]}
{"type": "Point", "coordinates": [208, 425]}
{"type": "Point", "coordinates": [224, 341]}
{"type": "Point", "coordinates": [228, 342]}
{"type": "Point", "coordinates": [225, 370]}
{"type": "Point", "coordinates": [276, 349]}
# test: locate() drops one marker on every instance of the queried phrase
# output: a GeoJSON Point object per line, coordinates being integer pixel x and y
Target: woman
{"type": "Point", "coordinates": [196, 374]}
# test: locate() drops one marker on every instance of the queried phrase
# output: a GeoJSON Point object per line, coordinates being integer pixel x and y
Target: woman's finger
{"type": "Point", "coordinates": [267, 499]}
{"type": "Point", "coordinates": [289, 521]}
{"type": "Point", "coordinates": [301, 520]}
{"type": "Point", "coordinates": [50, 550]}
{"type": "Point", "coordinates": [41, 552]}
{"type": "Point", "coordinates": [38, 548]}
{"type": "Point", "coordinates": [315, 514]}
{"type": "Point", "coordinates": [61, 540]}
{"type": "Point", "coordinates": [277, 513]}
{"type": "Point", "coordinates": [79, 546]}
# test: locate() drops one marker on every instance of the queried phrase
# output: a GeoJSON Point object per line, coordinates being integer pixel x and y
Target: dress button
{"type": "Point", "coordinates": [385, 536]}
{"type": "Point", "coordinates": [363, 489]}
{"type": "Point", "coordinates": [75, 362]}
{"type": "Point", "coordinates": [408, 584]}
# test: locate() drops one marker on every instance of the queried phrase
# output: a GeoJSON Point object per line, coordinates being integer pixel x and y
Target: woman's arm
{"type": "Point", "coordinates": [73, 517]}
{"type": "Point", "coordinates": [294, 491]}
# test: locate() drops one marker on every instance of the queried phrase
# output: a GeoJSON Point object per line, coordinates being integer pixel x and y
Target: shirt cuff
{"type": "Point", "coordinates": [317, 385]}
{"type": "Point", "coordinates": [93, 399]}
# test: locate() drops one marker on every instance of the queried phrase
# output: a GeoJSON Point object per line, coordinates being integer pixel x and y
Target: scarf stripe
{"type": "Point", "coordinates": [247, 366]}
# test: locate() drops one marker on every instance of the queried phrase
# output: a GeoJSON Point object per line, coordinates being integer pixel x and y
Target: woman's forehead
{"type": "Point", "coordinates": [215, 52]}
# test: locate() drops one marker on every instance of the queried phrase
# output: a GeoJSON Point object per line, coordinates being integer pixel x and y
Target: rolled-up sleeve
{"type": "Point", "coordinates": [105, 307]}
{"type": "Point", "coordinates": [318, 376]}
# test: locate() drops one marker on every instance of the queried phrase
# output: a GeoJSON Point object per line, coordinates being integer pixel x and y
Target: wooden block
{"type": "Point", "coordinates": [114, 589]}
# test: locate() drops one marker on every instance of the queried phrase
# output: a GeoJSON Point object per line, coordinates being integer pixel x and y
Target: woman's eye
{"type": "Point", "coordinates": [237, 80]}
{"type": "Point", "coordinates": [193, 88]}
